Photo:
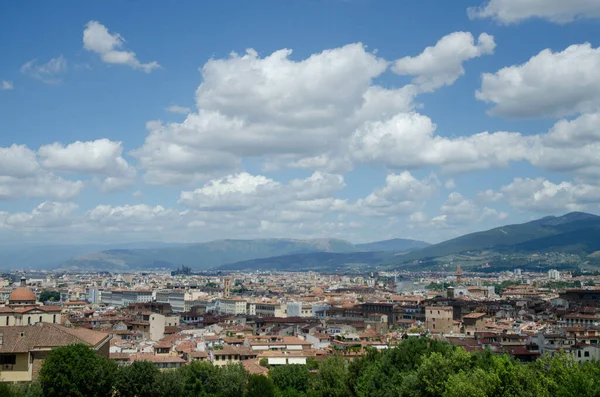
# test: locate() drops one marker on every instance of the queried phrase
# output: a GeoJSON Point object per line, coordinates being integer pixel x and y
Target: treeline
{"type": "Point", "coordinates": [417, 367]}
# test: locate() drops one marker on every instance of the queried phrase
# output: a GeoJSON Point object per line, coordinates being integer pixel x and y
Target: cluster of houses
{"type": "Point", "coordinates": [525, 322]}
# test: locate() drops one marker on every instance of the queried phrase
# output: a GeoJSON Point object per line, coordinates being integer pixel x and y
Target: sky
{"type": "Point", "coordinates": [354, 119]}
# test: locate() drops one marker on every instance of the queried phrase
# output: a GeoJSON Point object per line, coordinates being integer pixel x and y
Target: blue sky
{"type": "Point", "coordinates": [129, 121]}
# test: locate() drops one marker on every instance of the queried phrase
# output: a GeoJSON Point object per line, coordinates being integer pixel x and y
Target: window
{"type": "Point", "coordinates": [54, 318]}
{"type": "Point", "coordinates": [586, 354]}
{"type": "Point", "coordinates": [28, 320]}
{"type": "Point", "coordinates": [8, 359]}
{"type": "Point", "coordinates": [6, 320]}
{"type": "Point", "coordinates": [40, 319]}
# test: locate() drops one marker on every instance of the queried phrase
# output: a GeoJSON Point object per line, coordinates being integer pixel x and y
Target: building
{"type": "Point", "coordinates": [297, 309]}
{"type": "Point", "coordinates": [21, 296]}
{"type": "Point", "coordinates": [234, 306]}
{"type": "Point", "coordinates": [175, 298]}
{"type": "Point", "coordinates": [553, 274]}
{"type": "Point", "coordinates": [10, 317]}
{"type": "Point", "coordinates": [93, 295]}
{"type": "Point", "coordinates": [438, 319]}
{"type": "Point", "coordinates": [271, 309]}
{"type": "Point", "coordinates": [23, 349]}
{"type": "Point", "coordinates": [124, 297]}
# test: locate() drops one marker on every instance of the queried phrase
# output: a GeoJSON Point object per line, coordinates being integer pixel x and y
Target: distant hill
{"type": "Point", "coordinates": [216, 253]}
{"type": "Point", "coordinates": [546, 234]}
{"type": "Point", "coordinates": [397, 245]}
{"type": "Point", "coordinates": [43, 256]}
{"type": "Point", "coordinates": [205, 255]}
{"type": "Point", "coordinates": [315, 261]}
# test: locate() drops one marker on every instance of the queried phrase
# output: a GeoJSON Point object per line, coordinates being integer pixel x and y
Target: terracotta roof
{"type": "Point", "coordinates": [254, 368]}
{"type": "Point", "coordinates": [22, 294]}
{"type": "Point", "coordinates": [157, 359]}
{"type": "Point", "coordinates": [18, 339]}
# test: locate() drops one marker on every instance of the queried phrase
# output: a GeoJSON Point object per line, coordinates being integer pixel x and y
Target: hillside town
{"type": "Point", "coordinates": [268, 319]}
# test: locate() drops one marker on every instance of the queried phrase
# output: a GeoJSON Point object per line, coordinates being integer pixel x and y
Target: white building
{"type": "Point", "coordinates": [122, 298]}
{"type": "Point", "coordinates": [233, 306]}
{"type": "Point", "coordinates": [175, 298]}
{"type": "Point", "coordinates": [553, 274]}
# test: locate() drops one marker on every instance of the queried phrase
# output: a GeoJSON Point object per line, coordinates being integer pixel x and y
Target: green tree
{"type": "Point", "coordinates": [76, 370]}
{"type": "Point", "coordinates": [49, 296]}
{"type": "Point", "coordinates": [137, 379]}
{"type": "Point", "coordinates": [169, 383]}
{"type": "Point", "coordinates": [260, 386]}
{"type": "Point", "coordinates": [296, 377]}
{"type": "Point", "coordinates": [199, 378]}
{"type": "Point", "coordinates": [231, 381]}
{"type": "Point", "coordinates": [331, 378]}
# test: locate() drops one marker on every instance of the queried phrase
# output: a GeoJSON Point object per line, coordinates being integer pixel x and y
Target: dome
{"type": "Point", "coordinates": [21, 294]}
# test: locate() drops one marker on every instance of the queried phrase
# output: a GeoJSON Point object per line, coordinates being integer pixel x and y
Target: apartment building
{"type": "Point", "coordinates": [123, 297]}
{"type": "Point", "coordinates": [233, 306]}
{"type": "Point", "coordinates": [438, 319]}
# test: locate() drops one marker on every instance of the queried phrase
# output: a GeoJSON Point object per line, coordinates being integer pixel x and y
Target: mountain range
{"type": "Point", "coordinates": [574, 233]}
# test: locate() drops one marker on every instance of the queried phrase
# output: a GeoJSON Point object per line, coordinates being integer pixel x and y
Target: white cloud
{"type": "Point", "coordinates": [178, 109]}
{"type": "Point", "coordinates": [558, 11]}
{"type": "Point", "coordinates": [246, 110]}
{"type": "Point", "coordinates": [457, 210]}
{"type": "Point", "coordinates": [234, 192]}
{"type": "Point", "coordinates": [489, 196]}
{"type": "Point", "coordinates": [48, 72]}
{"type": "Point", "coordinates": [47, 215]}
{"type": "Point", "coordinates": [450, 184]}
{"type": "Point", "coordinates": [18, 161]}
{"type": "Point", "coordinates": [6, 85]}
{"type": "Point", "coordinates": [42, 185]}
{"type": "Point", "coordinates": [100, 157]}
{"type": "Point", "coordinates": [543, 196]}
{"type": "Point", "coordinates": [245, 191]}
{"type": "Point", "coordinates": [408, 141]}
{"type": "Point", "coordinates": [22, 176]}
{"type": "Point", "coordinates": [442, 64]}
{"type": "Point", "coordinates": [402, 194]}
{"type": "Point", "coordinates": [550, 84]}
{"type": "Point", "coordinates": [98, 39]}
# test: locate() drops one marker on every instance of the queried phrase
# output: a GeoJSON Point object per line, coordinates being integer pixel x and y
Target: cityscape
{"type": "Point", "coordinates": [324, 198]}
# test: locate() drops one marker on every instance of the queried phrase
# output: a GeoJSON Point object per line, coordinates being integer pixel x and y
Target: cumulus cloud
{"type": "Point", "coordinates": [48, 215]}
{"type": "Point", "coordinates": [402, 194]}
{"type": "Point", "coordinates": [442, 64]}
{"type": "Point", "coordinates": [98, 39]}
{"type": "Point", "coordinates": [408, 141]}
{"type": "Point", "coordinates": [246, 110]}
{"type": "Point", "coordinates": [244, 191]}
{"type": "Point", "coordinates": [489, 196]}
{"type": "Point", "coordinates": [48, 72]}
{"type": "Point", "coordinates": [22, 176]}
{"type": "Point", "coordinates": [558, 11]}
{"type": "Point", "coordinates": [27, 173]}
{"type": "Point", "coordinates": [541, 195]}
{"type": "Point", "coordinates": [550, 84]}
{"type": "Point", "coordinates": [102, 156]}
{"type": "Point", "coordinates": [178, 109]}
{"type": "Point", "coordinates": [458, 210]}
{"type": "Point", "coordinates": [6, 85]}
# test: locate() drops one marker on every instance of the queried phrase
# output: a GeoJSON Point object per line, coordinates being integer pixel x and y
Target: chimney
{"type": "Point", "coordinates": [23, 282]}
